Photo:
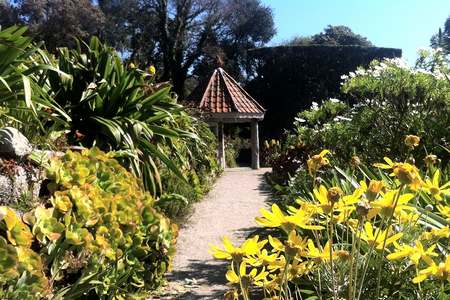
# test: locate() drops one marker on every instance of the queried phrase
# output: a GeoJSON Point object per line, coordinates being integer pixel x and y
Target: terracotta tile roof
{"type": "Point", "coordinates": [224, 95]}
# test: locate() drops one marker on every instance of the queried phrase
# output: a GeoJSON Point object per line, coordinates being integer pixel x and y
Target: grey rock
{"type": "Point", "coordinates": [20, 183]}
{"type": "Point", "coordinates": [13, 143]}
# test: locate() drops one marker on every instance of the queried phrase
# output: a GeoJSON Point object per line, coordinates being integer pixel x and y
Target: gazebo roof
{"type": "Point", "coordinates": [223, 97]}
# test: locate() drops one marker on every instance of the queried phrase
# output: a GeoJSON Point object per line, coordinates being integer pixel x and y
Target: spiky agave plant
{"type": "Point", "coordinates": [120, 108]}
{"type": "Point", "coordinates": [24, 91]}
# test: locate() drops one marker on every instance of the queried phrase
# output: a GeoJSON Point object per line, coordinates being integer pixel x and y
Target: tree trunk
{"type": "Point", "coordinates": [178, 79]}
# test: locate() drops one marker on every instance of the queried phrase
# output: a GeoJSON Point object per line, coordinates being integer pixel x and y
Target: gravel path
{"type": "Point", "coordinates": [229, 209]}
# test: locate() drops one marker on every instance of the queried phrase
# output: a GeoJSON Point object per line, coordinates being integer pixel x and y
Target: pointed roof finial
{"type": "Point", "coordinates": [219, 60]}
{"type": "Point", "coordinates": [224, 95]}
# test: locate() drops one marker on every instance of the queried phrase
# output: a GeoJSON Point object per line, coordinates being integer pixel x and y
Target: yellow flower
{"type": "Point", "coordinates": [405, 172]}
{"type": "Point", "coordinates": [272, 284]}
{"type": "Point", "coordinates": [412, 141]}
{"type": "Point", "coordinates": [276, 218]}
{"type": "Point", "coordinates": [321, 195]}
{"type": "Point", "coordinates": [415, 253]}
{"type": "Point", "coordinates": [249, 247]}
{"type": "Point", "coordinates": [385, 205]}
{"type": "Point", "coordinates": [152, 70]}
{"type": "Point", "coordinates": [317, 161]}
{"type": "Point", "coordinates": [443, 232]}
{"type": "Point", "coordinates": [132, 66]}
{"type": "Point", "coordinates": [432, 187]}
{"type": "Point", "coordinates": [375, 187]}
{"type": "Point", "coordinates": [441, 271]}
{"type": "Point", "coordinates": [377, 238]}
{"type": "Point", "coordinates": [408, 217]}
{"type": "Point", "coordinates": [316, 254]}
{"type": "Point", "coordinates": [333, 198]}
{"type": "Point", "coordinates": [276, 244]}
{"type": "Point", "coordinates": [253, 277]}
{"type": "Point", "coordinates": [389, 164]}
{"type": "Point", "coordinates": [277, 264]}
{"type": "Point", "coordinates": [445, 211]}
{"type": "Point", "coordinates": [295, 245]}
{"type": "Point", "coordinates": [408, 174]}
{"type": "Point", "coordinates": [261, 259]}
{"type": "Point", "coordinates": [299, 268]}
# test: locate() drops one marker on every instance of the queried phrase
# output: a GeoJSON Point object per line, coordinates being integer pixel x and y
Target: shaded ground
{"type": "Point", "coordinates": [229, 209]}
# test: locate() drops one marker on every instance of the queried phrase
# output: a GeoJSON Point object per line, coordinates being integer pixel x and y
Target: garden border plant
{"type": "Point", "coordinates": [358, 236]}
{"type": "Point", "coordinates": [98, 234]}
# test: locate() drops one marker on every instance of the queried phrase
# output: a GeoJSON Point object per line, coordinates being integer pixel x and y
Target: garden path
{"type": "Point", "coordinates": [229, 209]}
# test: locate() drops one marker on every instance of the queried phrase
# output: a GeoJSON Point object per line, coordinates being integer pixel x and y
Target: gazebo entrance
{"type": "Point", "coordinates": [225, 101]}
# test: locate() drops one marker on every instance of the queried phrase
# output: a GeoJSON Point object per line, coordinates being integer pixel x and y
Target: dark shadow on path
{"type": "Point", "coordinates": [265, 189]}
{"type": "Point", "coordinates": [207, 273]}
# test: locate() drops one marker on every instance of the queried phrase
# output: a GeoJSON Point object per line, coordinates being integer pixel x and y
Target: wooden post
{"type": "Point", "coordinates": [221, 150]}
{"type": "Point", "coordinates": [255, 145]}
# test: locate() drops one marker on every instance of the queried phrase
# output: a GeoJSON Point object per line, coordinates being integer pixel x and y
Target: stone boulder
{"type": "Point", "coordinates": [13, 144]}
{"type": "Point", "coordinates": [20, 182]}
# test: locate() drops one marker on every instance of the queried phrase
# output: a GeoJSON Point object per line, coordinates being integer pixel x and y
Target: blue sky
{"type": "Point", "coordinates": [405, 24]}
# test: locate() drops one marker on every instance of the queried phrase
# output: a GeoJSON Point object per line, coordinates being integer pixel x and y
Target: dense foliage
{"type": "Point", "coordinates": [176, 35]}
{"type": "Point", "coordinates": [345, 225]}
{"type": "Point", "coordinates": [331, 36]}
{"type": "Point", "coordinates": [364, 234]}
{"type": "Point", "coordinates": [86, 96]}
{"type": "Point", "coordinates": [119, 108]}
{"type": "Point", "coordinates": [393, 100]}
{"type": "Point", "coordinates": [200, 169]}
{"type": "Point", "coordinates": [24, 89]}
{"type": "Point", "coordinates": [288, 79]}
{"type": "Point", "coordinates": [74, 19]}
{"type": "Point", "coordinates": [442, 38]}
{"type": "Point", "coordinates": [97, 233]}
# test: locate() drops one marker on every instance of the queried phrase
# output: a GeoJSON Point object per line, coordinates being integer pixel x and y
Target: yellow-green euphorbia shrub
{"type": "Point", "coordinates": [348, 239]}
{"type": "Point", "coordinates": [97, 233]}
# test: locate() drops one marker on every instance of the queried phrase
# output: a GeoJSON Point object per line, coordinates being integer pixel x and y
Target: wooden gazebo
{"type": "Point", "coordinates": [223, 100]}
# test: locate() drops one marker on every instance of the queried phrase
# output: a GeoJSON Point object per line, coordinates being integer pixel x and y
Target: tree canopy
{"type": "Point", "coordinates": [57, 22]}
{"type": "Point", "coordinates": [442, 38]}
{"type": "Point", "coordinates": [179, 37]}
{"type": "Point", "coordinates": [332, 36]}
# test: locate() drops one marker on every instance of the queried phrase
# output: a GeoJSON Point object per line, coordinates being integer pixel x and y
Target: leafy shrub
{"type": "Point", "coordinates": [98, 235]}
{"type": "Point", "coordinates": [363, 234]}
{"type": "Point", "coordinates": [118, 108]}
{"type": "Point", "coordinates": [87, 96]}
{"type": "Point", "coordinates": [283, 90]}
{"type": "Point", "coordinates": [393, 100]}
{"type": "Point", "coordinates": [24, 91]}
{"type": "Point", "coordinates": [200, 168]}
{"type": "Point", "coordinates": [21, 269]}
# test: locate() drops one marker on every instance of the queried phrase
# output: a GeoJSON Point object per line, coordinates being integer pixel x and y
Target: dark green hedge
{"type": "Point", "coordinates": [289, 79]}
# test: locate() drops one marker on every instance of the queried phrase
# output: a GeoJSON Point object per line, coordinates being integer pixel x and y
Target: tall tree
{"type": "Point", "coordinates": [184, 27]}
{"type": "Point", "coordinates": [8, 14]}
{"type": "Point", "coordinates": [182, 35]}
{"type": "Point", "coordinates": [178, 36]}
{"type": "Point", "coordinates": [332, 36]}
{"type": "Point", "coordinates": [57, 22]}
{"type": "Point", "coordinates": [442, 38]}
{"type": "Point", "coordinates": [246, 25]}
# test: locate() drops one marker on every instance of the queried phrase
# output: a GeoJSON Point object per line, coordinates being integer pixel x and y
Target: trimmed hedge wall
{"type": "Point", "coordinates": [289, 78]}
